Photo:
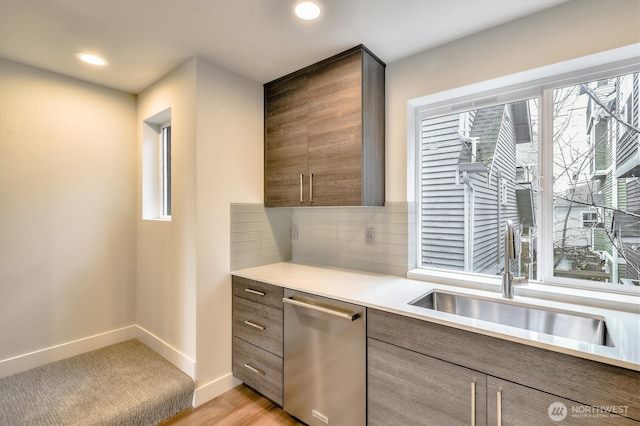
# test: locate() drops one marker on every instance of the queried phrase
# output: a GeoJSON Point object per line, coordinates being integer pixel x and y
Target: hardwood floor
{"type": "Point", "coordinates": [238, 407]}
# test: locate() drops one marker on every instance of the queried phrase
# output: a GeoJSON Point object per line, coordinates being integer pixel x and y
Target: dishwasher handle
{"type": "Point", "coordinates": [351, 316]}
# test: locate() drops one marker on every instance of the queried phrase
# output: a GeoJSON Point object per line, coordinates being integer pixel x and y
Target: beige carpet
{"type": "Point", "coordinates": [123, 384]}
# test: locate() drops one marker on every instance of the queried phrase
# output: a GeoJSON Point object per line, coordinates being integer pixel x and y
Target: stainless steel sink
{"type": "Point", "coordinates": [573, 325]}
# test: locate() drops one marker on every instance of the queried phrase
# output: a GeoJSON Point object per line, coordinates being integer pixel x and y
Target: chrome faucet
{"type": "Point", "coordinates": [509, 254]}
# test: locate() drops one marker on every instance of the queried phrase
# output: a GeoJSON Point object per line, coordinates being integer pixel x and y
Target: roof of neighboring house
{"type": "Point", "coordinates": [585, 195]}
{"type": "Point", "coordinates": [486, 127]}
{"type": "Point", "coordinates": [522, 122]}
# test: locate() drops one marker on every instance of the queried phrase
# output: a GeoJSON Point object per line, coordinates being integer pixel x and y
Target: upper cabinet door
{"type": "Point", "coordinates": [324, 133]}
{"type": "Point", "coordinates": [334, 132]}
{"type": "Point", "coordinates": [285, 148]}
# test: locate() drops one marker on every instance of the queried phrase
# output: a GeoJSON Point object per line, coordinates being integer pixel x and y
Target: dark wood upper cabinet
{"type": "Point", "coordinates": [324, 134]}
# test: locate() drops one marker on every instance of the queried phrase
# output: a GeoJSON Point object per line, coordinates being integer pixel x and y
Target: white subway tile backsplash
{"type": "Point", "coordinates": [238, 246]}
{"type": "Point", "coordinates": [331, 236]}
{"type": "Point", "coordinates": [335, 236]}
{"type": "Point", "coordinates": [259, 236]}
{"type": "Point", "coordinates": [245, 226]}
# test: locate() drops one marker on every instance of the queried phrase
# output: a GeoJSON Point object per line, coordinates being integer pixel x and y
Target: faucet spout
{"type": "Point", "coordinates": [509, 254]}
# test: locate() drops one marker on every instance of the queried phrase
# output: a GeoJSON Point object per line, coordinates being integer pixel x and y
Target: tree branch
{"type": "Point", "coordinates": [606, 109]}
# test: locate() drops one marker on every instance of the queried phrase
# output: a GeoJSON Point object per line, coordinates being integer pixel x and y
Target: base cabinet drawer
{"type": "Point", "coordinates": [258, 368]}
{"type": "Point", "coordinates": [258, 324]}
{"type": "Point", "coordinates": [264, 293]}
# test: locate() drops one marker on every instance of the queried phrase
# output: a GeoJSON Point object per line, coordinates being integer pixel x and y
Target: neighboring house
{"type": "Point", "coordinates": [576, 219]}
{"type": "Point", "coordinates": [469, 186]}
{"type": "Point", "coordinates": [613, 120]}
{"type": "Point", "coordinates": [625, 229]}
{"type": "Point", "coordinates": [628, 143]}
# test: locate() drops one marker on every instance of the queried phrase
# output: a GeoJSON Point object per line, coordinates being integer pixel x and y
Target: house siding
{"type": "Point", "coordinates": [629, 144]}
{"type": "Point", "coordinates": [443, 202]}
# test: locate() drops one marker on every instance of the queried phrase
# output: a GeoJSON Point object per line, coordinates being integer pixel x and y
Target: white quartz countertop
{"type": "Point", "coordinates": [392, 294]}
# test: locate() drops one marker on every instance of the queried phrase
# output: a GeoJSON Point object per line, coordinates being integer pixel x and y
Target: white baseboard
{"type": "Point", "coordinates": [40, 357]}
{"type": "Point", "coordinates": [171, 354]}
{"type": "Point", "coordinates": [214, 388]}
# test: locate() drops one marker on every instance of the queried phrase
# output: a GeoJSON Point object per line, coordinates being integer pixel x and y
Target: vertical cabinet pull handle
{"type": "Point", "coordinates": [473, 403]}
{"type": "Point", "coordinates": [301, 177]}
{"type": "Point", "coordinates": [499, 407]}
{"type": "Point", "coordinates": [311, 188]}
{"type": "Point", "coordinates": [256, 292]}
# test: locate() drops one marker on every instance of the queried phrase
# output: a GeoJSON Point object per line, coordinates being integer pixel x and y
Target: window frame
{"type": "Point", "coordinates": [538, 83]}
{"type": "Point", "coordinates": [164, 169]}
{"type": "Point", "coordinates": [152, 167]}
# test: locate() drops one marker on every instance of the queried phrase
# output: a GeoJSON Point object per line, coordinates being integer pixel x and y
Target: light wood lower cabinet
{"type": "Point", "coordinates": [257, 336]}
{"type": "Point", "coordinates": [512, 404]}
{"type": "Point", "coordinates": [420, 373]}
{"type": "Point", "coordinates": [408, 388]}
{"type": "Point", "coordinates": [258, 369]}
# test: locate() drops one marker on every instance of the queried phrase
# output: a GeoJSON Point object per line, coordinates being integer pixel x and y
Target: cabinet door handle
{"type": "Point", "coordinates": [301, 178]}
{"type": "Point", "coordinates": [473, 403]}
{"type": "Point", "coordinates": [499, 407]}
{"type": "Point", "coordinates": [254, 325]}
{"type": "Point", "coordinates": [255, 370]}
{"type": "Point", "coordinates": [259, 293]}
{"type": "Point", "coordinates": [311, 188]}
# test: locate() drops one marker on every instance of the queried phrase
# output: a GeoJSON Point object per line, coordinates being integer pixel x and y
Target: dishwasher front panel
{"type": "Point", "coordinates": [325, 360]}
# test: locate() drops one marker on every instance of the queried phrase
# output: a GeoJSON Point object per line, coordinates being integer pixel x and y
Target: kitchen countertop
{"type": "Point", "coordinates": [392, 294]}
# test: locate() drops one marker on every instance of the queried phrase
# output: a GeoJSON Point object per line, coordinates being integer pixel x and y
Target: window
{"type": "Point", "coordinates": [483, 163]}
{"type": "Point", "coordinates": [471, 185]}
{"type": "Point", "coordinates": [156, 167]}
{"type": "Point", "coordinates": [590, 219]}
{"type": "Point", "coordinates": [594, 253]}
{"type": "Point", "coordinates": [165, 169]}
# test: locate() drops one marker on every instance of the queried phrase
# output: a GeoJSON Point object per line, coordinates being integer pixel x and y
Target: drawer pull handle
{"type": "Point", "coordinates": [259, 293]}
{"type": "Point", "coordinates": [255, 370]}
{"type": "Point", "coordinates": [254, 325]}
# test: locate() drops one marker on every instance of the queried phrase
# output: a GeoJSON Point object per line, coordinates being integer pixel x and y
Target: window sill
{"type": "Point", "coordinates": [157, 219]}
{"type": "Point", "coordinates": [535, 290]}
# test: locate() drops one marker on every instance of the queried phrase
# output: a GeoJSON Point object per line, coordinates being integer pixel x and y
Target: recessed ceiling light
{"type": "Point", "coordinates": [307, 10]}
{"type": "Point", "coordinates": [92, 59]}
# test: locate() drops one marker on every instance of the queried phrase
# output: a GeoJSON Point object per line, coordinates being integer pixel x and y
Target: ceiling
{"type": "Point", "coordinates": [261, 39]}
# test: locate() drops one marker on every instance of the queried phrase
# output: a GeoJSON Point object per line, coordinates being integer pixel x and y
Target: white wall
{"type": "Point", "coordinates": [67, 211]}
{"type": "Point", "coordinates": [166, 251]}
{"type": "Point", "coordinates": [228, 170]}
{"type": "Point", "coordinates": [571, 30]}
{"type": "Point", "coordinates": [184, 288]}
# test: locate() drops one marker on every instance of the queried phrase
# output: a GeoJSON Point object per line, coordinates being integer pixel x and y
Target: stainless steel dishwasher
{"type": "Point", "coordinates": [325, 360]}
